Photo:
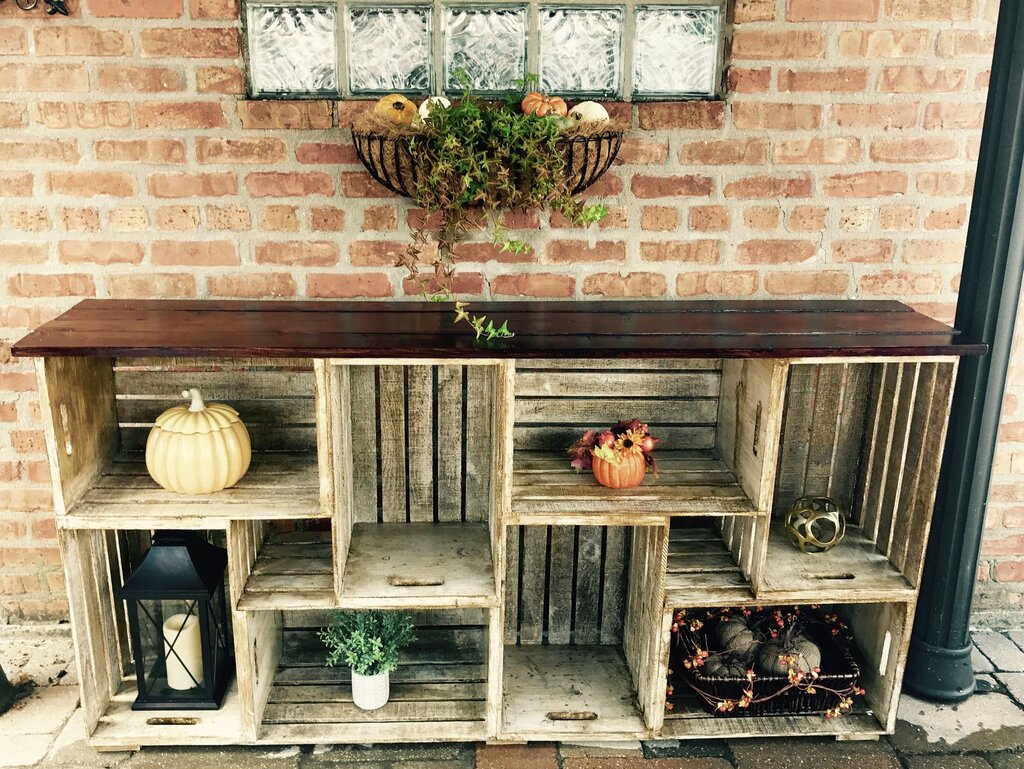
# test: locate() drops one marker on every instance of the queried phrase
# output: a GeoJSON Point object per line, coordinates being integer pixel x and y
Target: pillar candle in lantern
{"type": "Point", "coordinates": [182, 631]}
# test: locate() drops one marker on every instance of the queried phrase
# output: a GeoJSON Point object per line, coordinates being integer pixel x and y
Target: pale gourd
{"type": "Point", "coordinates": [735, 636]}
{"type": "Point", "coordinates": [199, 448]}
{"type": "Point", "coordinates": [589, 112]}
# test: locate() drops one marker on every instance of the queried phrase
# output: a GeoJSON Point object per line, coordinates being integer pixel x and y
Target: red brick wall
{"type": "Point", "coordinates": [840, 166]}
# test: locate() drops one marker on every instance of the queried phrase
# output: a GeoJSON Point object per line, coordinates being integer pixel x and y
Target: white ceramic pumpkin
{"type": "Point", "coordinates": [198, 449]}
{"type": "Point", "coordinates": [589, 112]}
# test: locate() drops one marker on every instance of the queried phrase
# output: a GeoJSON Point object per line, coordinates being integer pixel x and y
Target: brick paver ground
{"type": "Point", "coordinates": [46, 731]}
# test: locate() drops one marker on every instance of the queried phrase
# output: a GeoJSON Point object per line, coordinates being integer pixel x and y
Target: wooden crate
{"type": "Point", "coordinates": [881, 633]}
{"type": "Point", "coordinates": [440, 690]}
{"type": "Point", "coordinates": [717, 420]}
{"type": "Point", "coordinates": [715, 561]}
{"type": "Point", "coordinates": [96, 564]}
{"type": "Point", "coordinates": [869, 434]}
{"type": "Point", "coordinates": [284, 564]}
{"type": "Point", "coordinates": [416, 457]}
{"type": "Point", "coordinates": [582, 610]}
{"type": "Point", "coordinates": [98, 413]}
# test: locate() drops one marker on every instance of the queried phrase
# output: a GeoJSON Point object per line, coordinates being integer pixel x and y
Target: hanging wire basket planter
{"type": "Point", "coordinates": [390, 161]}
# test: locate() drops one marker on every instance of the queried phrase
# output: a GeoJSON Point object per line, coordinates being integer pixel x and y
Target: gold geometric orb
{"type": "Point", "coordinates": [815, 524]}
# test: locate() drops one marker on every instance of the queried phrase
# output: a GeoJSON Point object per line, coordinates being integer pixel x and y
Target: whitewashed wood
{"type": "Point", "coordinates": [419, 565]}
{"type": "Point", "coordinates": [362, 408]}
{"type": "Point", "coordinates": [884, 397]}
{"type": "Point", "coordinates": [76, 399]}
{"type": "Point", "coordinates": [278, 581]}
{"type": "Point", "coordinates": [338, 459]}
{"type": "Point", "coordinates": [557, 439]}
{"type": "Point", "coordinates": [604, 412]}
{"type": "Point", "coordinates": [90, 650]}
{"type": "Point", "coordinates": [449, 435]}
{"type": "Point", "coordinates": [391, 383]}
{"type": "Point", "coordinates": [420, 432]}
{"type": "Point", "coordinates": [561, 557]}
{"type": "Point", "coordinates": [613, 600]}
{"type": "Point", "coordinates": [619, 364]}
{"type": "Point", "coordinates": [616, 383]}
{"type": "Point", "coordinates": [276, 486]}
{"type": "Point", "coordinates": [642, 638]}
{"type": "Point", "coordinates": [749, 424]}
{"type": "Point", "coordinates": [590, 681]}
{"type": "Point", "coordinates": [481, 388]}
{"type": "Point", "coordinates": [513, 547]}
{"type": "Point", "coordinates": [869, 624]}
{"type": "Point", "coordinates": [546, 490]}
{"type": "Point", "coordinates": [901, 437]}
{"type": "Point", "coordinates": [587, 619]}
{"type": "Point", "coordinates": [274, 397]}
{"type": "Point", "coordinates": [702, 572]}
{"type": "Point", "coordinates": [853, 569]}
{"type": "Point", "coordinates": [414, 360]}
{"type": "Point", "coordinates": [437, 690]}
{"type": "Point", "coordinates": [532, 561]}
{"type": "Point", "coordinates": [697, 724]}
{"type": "Point", "coordinates": [933, 442]}
{"type": "Point", "coordinates": [121, 728]}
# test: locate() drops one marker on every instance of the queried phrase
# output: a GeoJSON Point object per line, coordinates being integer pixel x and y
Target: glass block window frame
{"type": "Point", "coordinates": [632, 76]}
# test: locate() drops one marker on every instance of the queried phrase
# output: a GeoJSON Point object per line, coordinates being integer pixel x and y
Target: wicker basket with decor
{"type": "Point", "coordinates": [757, 662]}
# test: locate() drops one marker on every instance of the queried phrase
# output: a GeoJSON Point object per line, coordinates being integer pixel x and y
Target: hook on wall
{"type": "Point", "coordinates": [53, 7]}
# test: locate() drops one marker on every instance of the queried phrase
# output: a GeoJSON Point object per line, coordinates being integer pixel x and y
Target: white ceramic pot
{"type": "Point", "coordinates": [370, 692]}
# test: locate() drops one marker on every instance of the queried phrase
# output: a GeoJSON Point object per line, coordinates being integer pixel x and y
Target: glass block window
{"type": "Point", "coordinates": [388, 49]}
{"type": "Point", "coordinates": [675, 51]}
{"type": "Point", "coordinates": [484, 47]}
{"type": "Point", "coordinates": [579, 49]}
{"type": "Point", "coordinates": [292, 49]}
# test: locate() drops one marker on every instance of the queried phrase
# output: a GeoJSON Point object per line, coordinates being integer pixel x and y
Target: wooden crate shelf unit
{"type": "Point", "coordinates": [399, 464]}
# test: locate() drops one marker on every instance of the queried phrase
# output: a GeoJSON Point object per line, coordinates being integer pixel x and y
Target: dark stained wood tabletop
{"type": "Point", "coordinates": [590, 329]}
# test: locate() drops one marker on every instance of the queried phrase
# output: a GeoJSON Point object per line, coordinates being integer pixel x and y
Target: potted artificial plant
{"type": "Point", "coordinates": [369, 643]}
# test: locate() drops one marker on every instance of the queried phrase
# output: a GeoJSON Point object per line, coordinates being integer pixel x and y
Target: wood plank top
{"type": "Point", "coordinates": [588, 329]}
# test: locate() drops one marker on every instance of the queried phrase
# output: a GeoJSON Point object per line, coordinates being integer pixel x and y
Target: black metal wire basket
{"type": "Point", "coordinates": [390, 161]}
{"type": "Point", "coordinates": [839, 670]}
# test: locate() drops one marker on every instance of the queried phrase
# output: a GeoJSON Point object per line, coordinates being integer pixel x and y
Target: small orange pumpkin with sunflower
{"type": "Point", "coordinates": [619, 457]}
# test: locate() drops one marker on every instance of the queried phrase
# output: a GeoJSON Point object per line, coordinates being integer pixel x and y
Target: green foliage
{"type": "Point", "coordinates": [479, 160]}
{"type": "Point", "coordinates": [367, 641]}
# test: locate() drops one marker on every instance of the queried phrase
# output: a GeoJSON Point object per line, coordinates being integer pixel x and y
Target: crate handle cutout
{"type": "Point", "coordinates": [171, 721]}
{"type": "Point", "coordinates": [883, 661]}
{"type": "Point", "coordinates": [845, 575]}
{"type": "Point", "coordinates": [757, 430]}
{"type": "Point", "coordinates": [66, 429]}
{"type": "Point", "coordinates": [572, 715]}
{"type": "Point", "coordinates": [396, 581]}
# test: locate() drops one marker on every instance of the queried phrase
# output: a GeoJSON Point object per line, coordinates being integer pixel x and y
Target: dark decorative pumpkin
{"type": "Point", "coordinates": [629, 472]}
{"type": "Point", "coordinates": [542, 105]}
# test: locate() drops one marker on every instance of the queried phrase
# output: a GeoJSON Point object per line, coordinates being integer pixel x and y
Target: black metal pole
{"type": "Point", "coordinates": [939, 665]}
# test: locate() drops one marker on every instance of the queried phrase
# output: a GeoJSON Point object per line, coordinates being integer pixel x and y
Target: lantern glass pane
{"type": "Point", "coordinates": [675, 50]}
{"type": "Point", "coordinates": [484, 48]}
{"type": "Point", "coordinates": [581, 50]}
{"type": "Point", "coordinates": [388, 49]}
{"type": "Point", "coordinates": [293, 49]}
{"type": "Point", "coordinates": [172, 648]}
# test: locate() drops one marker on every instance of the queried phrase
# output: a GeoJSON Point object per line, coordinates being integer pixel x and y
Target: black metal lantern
{"type": "Point", "coordinates": [177, 614]}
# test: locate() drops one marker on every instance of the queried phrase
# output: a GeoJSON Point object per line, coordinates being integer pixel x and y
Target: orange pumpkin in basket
{"type": "Point", "coordinates": [542, 105]}
{"type": "Point", "coordinates": [629, 472]}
